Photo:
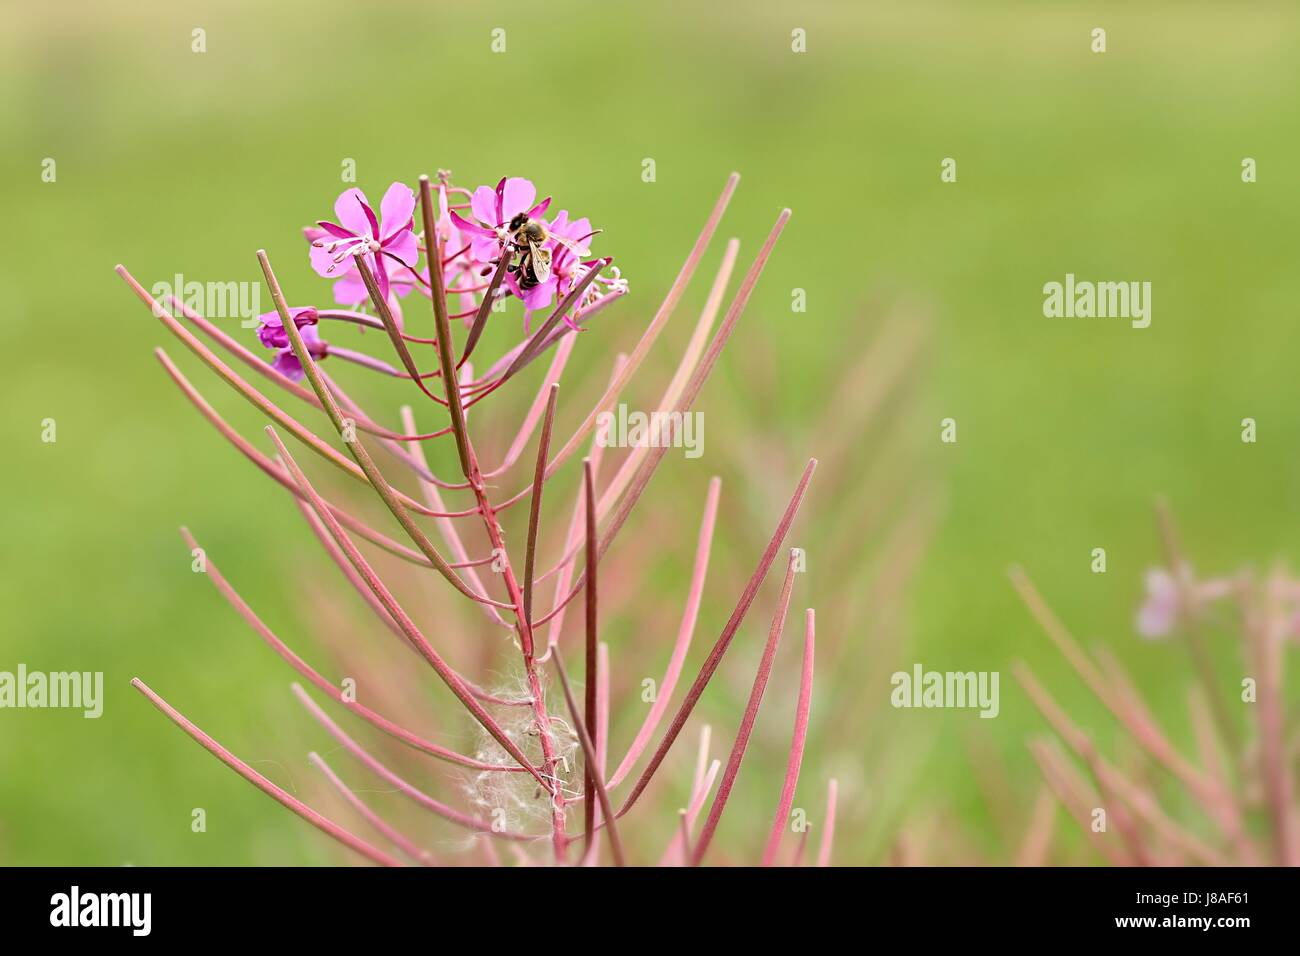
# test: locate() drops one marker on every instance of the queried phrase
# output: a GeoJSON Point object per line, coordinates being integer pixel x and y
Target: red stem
{"type": "Point", "coordinates": [316, 819]}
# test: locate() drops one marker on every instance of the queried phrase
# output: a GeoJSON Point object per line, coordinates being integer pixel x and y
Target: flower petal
{"type": "Point", "coordinates": [350, 290]}
{"type": "Point", "coordinates": [539, 297]}
{"type": "Point", "coordinates": [287, 364]}
{"type": "Point", "coordinates": [324, 265]}
{"type": "Point", "coordinates": [404, 246]}
{"type": "Point", "coordinates": [350, 209]}
{"type": "Point", "coordinates": [333, 229]}
{"type": "Point", "coordinates": [472, 228]}
{"type": "Point", "coordinates": [516, 196]}
{"type": "Point", "coordinates": [483, 249]}
{"type": "Point", "coordinates": [396, 210]}
{"type": "Point", "coordinates": [484, 205]}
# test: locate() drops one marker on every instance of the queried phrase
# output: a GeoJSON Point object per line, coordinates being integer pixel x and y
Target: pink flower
{"type": "Point", "coordinates": [271, 333]}
{"type": "Point", "coordinates": [388, 242]}
{"type": "Point", "coordinates": [488, 238]}
{"type": "Point", "coordinates": [566, 268]}
{"type": "Point", "coordinates": [270, 330]}
{"type": "Point", "coordinates": [350, 289]}
{"type": "Point", "coordinates": [1159, 612]}
{"type": "Point", "coordinates": [494, 208]}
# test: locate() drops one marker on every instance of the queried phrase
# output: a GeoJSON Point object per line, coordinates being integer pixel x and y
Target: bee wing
{"type": "Point", "coordinates": [541, 261]}
{"type": "Point", "coordinates": [577, 250]}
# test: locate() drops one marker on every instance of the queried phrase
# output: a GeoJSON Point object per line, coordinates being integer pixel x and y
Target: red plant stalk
{"type": "Point", "coordinates": [395, 836]}
{"type": "Point", "coordinates": [796, 744]}
{"type": "Point", "coordinates": [311, 674]}
{"type": "Point", "coordinates": [747, 721]}
{"type": "Point", "coordinates": [469, 465]}
{"type": "Point", "coordinates": [591, 760]}
{"type": "Point", "coordinates": [593, 774]}
{"type": "Point", "coordinates": [317, 820]}
{"type": "Point", "coordinates": [694, 595]}
{"type": "Point", "coordinates": [827, 845]}
{"type": "Point", "coordinates": [724, 641]}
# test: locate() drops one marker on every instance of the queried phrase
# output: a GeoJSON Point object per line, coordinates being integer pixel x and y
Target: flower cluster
{"type": "Point", "coordinates": [543, 759]}
{"type": "Point", "coordinates": [473, 235]}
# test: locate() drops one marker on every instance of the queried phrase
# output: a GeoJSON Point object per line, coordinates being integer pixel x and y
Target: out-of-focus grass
{"type": "Point", "coordinates": [1122, 166]}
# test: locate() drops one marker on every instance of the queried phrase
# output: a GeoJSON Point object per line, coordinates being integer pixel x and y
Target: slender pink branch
{"type": "Point", "coordinates": [1181, 570]}
{"type": "Point", "coordinates": [484, 309]}
{"type": "Point", "coordinates": [448, 528]}
{"type": "Point", "coordinates": [1076, 796]}
{"type": "Point", "coordinates": [443, 329]}
{"type": "Point", "coordinates": [685, 369]}
{"type": "Point", "coordinates": [555, 619]}
{"type": "Point", "coordinates": [492, 378]}
{"type": "Point", "coordinates": [267, 370]}
{"type": "Point", "coordinates": [450, 814]}
{"type": "Point", "coordinates": [1267, 634]}
{"type": "Point", "coordinates": [370, 322]}
{"type": "Point", "coordinates": [1038, 834]}
{"type": "Point", "coordinates": [537, 343]}
{"type": "Point", "coordinates": [1108, 777]}
{"type": "Point", "coordinates": [449, 676]}
{"type": "Point", "coordinates": [747, 721]}
{"type": "Point", "coordinates": [395, 836]}
{"type": "Point", "coordinates": [260, 401]}
{"type": "Point", "coordinates": [590, 760]}
{"type": "Point", "coordinates": [276, 472]}
{"type": "Point", "coordinates": [701, 374]}
{"type": "Point", "coordinates": [593, 772]}
{"type": "Point", "coordinates": [535, 509]}
{"type": "Point", "coordinates": [685, 632]}
{"type": "Point", "coordinates": [322, 823]}
{"type": "Point", "coordinates": [677, 853]}
{"type": "Point", "coordinates": [397, 503]}
{"type": "Point", "coordinates": [412, 456]}
{"type": "Point", "coordinates": [828, 828]}
{"type": "Point", "coordinates": [796, 744]}
{"type": "Point", "coordinates": [1218, 803]}
{"type": "Point", "coordinates": [250, 616]}
{"type": "Point", "coordinates": [390, 326]}
{"type": "Point", "coordinates": [535, 412]}
{"type": "Point", "coordinates": [724, 640]}
{"type": "Point", "coordinates": [655, 327]}
{"type": "Point", "coordinates": [687, 365]}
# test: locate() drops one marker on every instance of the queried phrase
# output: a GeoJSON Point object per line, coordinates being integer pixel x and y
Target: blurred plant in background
{"type": "Point", "coordinates": [1234, 803]}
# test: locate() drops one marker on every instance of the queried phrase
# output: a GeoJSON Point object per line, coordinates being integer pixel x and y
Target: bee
{"type": "Point", "coordinates": [527, 236]}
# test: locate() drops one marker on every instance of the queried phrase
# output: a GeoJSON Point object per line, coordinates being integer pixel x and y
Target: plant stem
{"type": "Point", "coordinates": [469, 465]}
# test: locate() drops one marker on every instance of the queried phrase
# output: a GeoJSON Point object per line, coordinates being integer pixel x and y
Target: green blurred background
{"type": "Point", "coordinates": [1117, 166]}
